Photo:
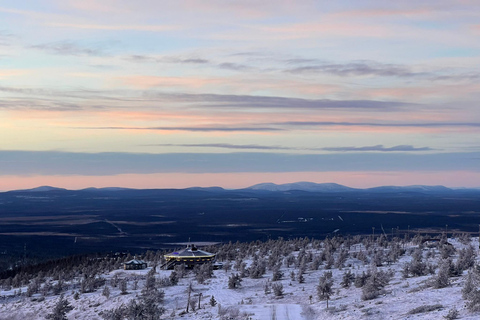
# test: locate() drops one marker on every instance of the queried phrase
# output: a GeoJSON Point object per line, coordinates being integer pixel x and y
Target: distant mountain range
{"type": "Point", "coordinates": [334, 187]}
{"type": "Point", "coordinates": [302, 186]}
{"type": "Point", "coordinates": [297, 186]}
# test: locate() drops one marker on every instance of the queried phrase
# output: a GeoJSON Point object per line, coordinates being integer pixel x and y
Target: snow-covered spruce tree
{"type": "Point", "coordinates": [60, 310]}
{"type": "Point", "coordinates": [473, 301]}
{"type": "Point", "coordinates": [118, 313]}
{"type": "Point", "coordinates": [446, 249]}
{"type": "Point", "coordinates": [441, 279]}
{"type": "Point", "coordinates": [180, 270]}
{"type": "Point", "coordinates": [469, 286]}
{"type": "Point", "coordinates": [316, 262]}
{"type": "Point", "coordinates": [324, 288]}
{"type": "Point", "coordinates": [466, 259]}
{"type": "Point", "coordinates": [150, 282]}
{"type": "Point", "coordinates": [203, 272]}
{"type": "Point", "coordinates": [416, 267]}
{"type": "Point", "coordinates": [360, 279]}
{"type": "Point", "coordinates": [470, 292]}
{"type": "Point", "coordinates": [329, 260]}
{"type": "Point", "coordinates": [234, 281]}
{"type": "Point", "coordinates": [277, 289]}
{"type": "Point", "coordinates": [378, 257]}
{"type": "Point", "coordinates": [300, 277]}
{"type": "Point", "coordinates": [123, 286]}
{"type": "Point", "coordinates": [212, 301]}
{"type": "Point", "coordinates": [257, 269]}
{"type": "Point", "coordinates": [347, 279]}
{"type": "Point", "coordinates": [173, 278]}
{"type": "Point", "coordinates": [33, 287]}
{"type": "Point", "coordinates": [374, 283]}
{"type": "Point", "coordinates": [341, 259]}
{"type": "Point", "coordinates": [277, 273]}
{"type": "Point", "coordinates": [58, 287]}
{"type": "Point", "coordinates": [106, 292]}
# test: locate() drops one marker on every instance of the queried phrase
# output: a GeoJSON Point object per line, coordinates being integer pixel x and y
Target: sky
{"type": "Point", "coordinates": [174, 94]}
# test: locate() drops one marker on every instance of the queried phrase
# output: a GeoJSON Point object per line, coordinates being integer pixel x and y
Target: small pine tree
{"type": "Point", "coordinates": [234, 281]}
{"type": "Point", "coordinates": [60, 310]}
{"type": "Point", "coordinates": [277, 290]}
{"type": "Point", "coordinates": [347, 279]}
{"type": "Point", "coordinates": [301, 278]}
{"type": "Point", "coordinates": [441, 279]}
{"type": "Point", "coordinates": [123, 286]}
{"type": "Point", "coordinates": [213, 302]}
{"type": "Point", "coordinates": [106, 292]}
{"type": "Point", "coordinates": [174, 278]}
{"type": "Point", "coordinates": [324, 288]}
{"type": "Point", "coordinates": [277, 274]}
{"type": "Point", "coordinates": [292, 276]}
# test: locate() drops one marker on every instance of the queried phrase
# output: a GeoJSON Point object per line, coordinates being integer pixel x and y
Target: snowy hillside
{"type": "Point", "coordinates": [416, 278]}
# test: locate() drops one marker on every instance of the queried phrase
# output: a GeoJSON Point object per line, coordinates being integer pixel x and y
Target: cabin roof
{"type": "Point", "coordinates": [135, 261]}
{"type": "Point", "coordinates": [188, 252]}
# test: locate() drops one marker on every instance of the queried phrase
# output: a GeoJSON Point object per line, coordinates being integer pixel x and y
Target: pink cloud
{"type": "Point", "coordinates": [145, 82]}
{"type": "Point", "coordinates": [153, 28]}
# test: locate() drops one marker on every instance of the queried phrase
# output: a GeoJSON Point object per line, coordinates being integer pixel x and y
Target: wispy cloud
{"type": "Point", "coordinates": [68, 48]}
{"type": "Point", "coordinates": [379, 148]}
{"type": "Point", "coordinates": [223, 101]}
{"type": "Point", "coordinates": [380, 124]}
{"type": "Point", "coordinates": [225, 146]}
{"type": "Point", "coordinates": [6, 38]}
{"type": "Point", "coordinates": [376, 148]}
{"type": "Point", "coordinates": [192, 129]}
{"type": "Point", "coordinates": [166, 59]}
{"type": "Point", "coordinates": [250, 101]}
{"type": "Point", "coordinates": [360, 68]}
{"type": "Point", "coordinates": [152, 28]}
{"type": "Point", "coordinates": [234, 66]}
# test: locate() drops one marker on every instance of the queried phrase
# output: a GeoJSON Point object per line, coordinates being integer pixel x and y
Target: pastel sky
{"type": "Point", "coordinates": [151, 93]}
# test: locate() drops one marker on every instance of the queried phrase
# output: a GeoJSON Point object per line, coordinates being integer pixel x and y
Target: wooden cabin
{"type": "Point", "coordinates": [135, 265]}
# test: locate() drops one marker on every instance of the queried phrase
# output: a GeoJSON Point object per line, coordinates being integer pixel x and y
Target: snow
{"type": "Point", "coordinates": [298, 302]}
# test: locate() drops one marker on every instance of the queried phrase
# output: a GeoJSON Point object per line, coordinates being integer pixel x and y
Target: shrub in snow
{"type": "Point", "coordinates": [452, 314]}
{"type": "Point", "coordinates": [426, 308]}
{"type": "Point", "coordinates": [308, 312]}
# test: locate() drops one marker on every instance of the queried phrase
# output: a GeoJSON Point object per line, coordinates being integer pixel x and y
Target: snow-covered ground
{"type": "Point", "coordinates": [250, 301]}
